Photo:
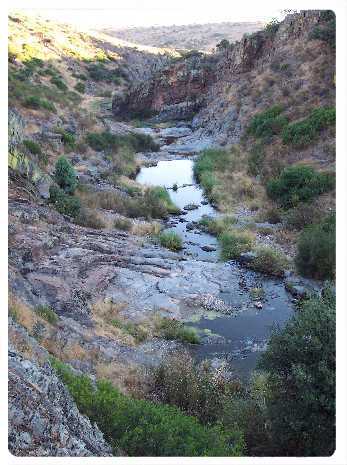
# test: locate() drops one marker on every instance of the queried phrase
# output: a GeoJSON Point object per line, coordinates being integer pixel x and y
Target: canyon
{"type": "Point", "coordinates": [108, 280]}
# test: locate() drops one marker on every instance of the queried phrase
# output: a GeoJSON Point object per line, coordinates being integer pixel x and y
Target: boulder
{"type": "Point", "coordinates": [208, 248]}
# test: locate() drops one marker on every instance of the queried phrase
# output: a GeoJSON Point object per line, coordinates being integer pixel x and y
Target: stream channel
{"type": "Point", "coordinates": [239, 338]}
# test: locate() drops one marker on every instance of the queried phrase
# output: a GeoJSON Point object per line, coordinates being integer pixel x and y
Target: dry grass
{"type": "Point", "coordinates": [145, 228]}
{"type": "Point", "coordinates": [126, 378]}
{"type": "Point", "coordinates": [103, 312]}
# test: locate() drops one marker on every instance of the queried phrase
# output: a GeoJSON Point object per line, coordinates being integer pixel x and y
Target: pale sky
{"type": "Point", "coordinates": [153, 12]}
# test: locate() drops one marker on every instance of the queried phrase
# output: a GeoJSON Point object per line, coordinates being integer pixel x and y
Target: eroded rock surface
{"type": "Point", "coordinates": [43, 419]}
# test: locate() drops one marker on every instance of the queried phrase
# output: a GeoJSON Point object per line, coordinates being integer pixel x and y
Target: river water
{"type": "Point", "coordinates": [236, 339]}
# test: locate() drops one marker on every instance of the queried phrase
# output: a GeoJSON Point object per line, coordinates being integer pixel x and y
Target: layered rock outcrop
{"type": "Point", "coordinates": [282, 64]}
{"type": "Point", "coordinates": [43, 419]}
{"type": "Point", "coordinates": [177, 91]}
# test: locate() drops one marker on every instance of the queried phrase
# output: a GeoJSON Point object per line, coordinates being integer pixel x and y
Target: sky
{"type": "Point", "coordinates": [155, 12]}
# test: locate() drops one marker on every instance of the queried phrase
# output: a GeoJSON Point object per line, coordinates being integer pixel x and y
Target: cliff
{"type": "Point", "coordinates": [286, 64]}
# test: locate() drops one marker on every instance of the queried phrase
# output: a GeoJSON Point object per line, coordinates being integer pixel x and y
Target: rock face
{"type": "Point", "coordinates": [176, 91]}
{"type": "Point", "coordinates": [226, 89]}
{"type": "Point", "coordinates": [43, 419]}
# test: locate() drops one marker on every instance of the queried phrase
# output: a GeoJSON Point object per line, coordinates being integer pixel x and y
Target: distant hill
{"type": "Point", "coordinates": [188, 37]}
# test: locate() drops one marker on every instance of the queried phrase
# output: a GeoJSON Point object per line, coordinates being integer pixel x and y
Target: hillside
{"type": "Point", "coordinates": [166, 210]}
{"type": "Point", "coordinates": [186, 37]}
{"type": "Point", "coordinates": [288, 68]}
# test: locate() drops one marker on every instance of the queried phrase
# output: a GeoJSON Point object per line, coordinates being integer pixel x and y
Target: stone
{"type": "Point", "coordinates": [190, 226]}
{"type": "Point", "coordinates": [56, 428]}
{"type": "Point", "coordinates": [296, 289]}
{"type": "Point", "coordinates": [247, 257]}
{"type": "Point", "coordinates": [191, 206]}
{"type": "Point", "coordinates": [208, 248]}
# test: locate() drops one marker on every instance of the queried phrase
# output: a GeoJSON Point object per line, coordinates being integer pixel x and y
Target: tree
{"type": "Point", "coordinates": [300, 361]}
{"type": "Point", "coordinates": [65, 176]}
{"type": "Point", "coordinates": [223, 45]}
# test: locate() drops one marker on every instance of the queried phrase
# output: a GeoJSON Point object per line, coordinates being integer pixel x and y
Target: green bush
{"type": "Point", "coordinates": [98, 72]}
{"type": "Point", "coordinates": [172, 329]}
{"type": "Point", "coordinates": [59, 83]}
{"type": "Point", "coordinates": [217, 226]}
{"type": "Point", "coordinates": [108, 141]}
{"type": "Point", "coordinates": [234, 242]}
{"type": "Point", "coordinates": [65, 175]}
{"type": "Point", "coordinates": [299, 183]}
{"type": "Point", "coordinates": [80, 87]}
{"type": "Point", "coordinates": [302, 133]}
{"type": "Point", "coordinates": [316, 253]}
{"type": "Point", "coordinates": [37, 102]}
{"type": "Point", "coordinates": [300, 361]}
{"type": "Point", "coordinates": [267, 123]}
{"type": "Point", "coordinates": [170, 240]}
{"type": "Point", "coordinates": [64, 203]}
{"type": "Point", "coordinates": [160, 194]}
{"type": "Point", "coordinates": [143, 428]}
{"type": "Point", "coordinates": [67, 138]}
{"type": "Point", "coordinates": [326, 30]}
{"type": "Point", "coordinates": [47, 313]}
{"type": "Point", "coordinates": [269, 261]}
{"type": "Point", "coordinates": [210, 160]}
{"type": "Point", "coordinates": [272, 27]}
{"type": "Point", "coordinates": [80, 76]}
{"type": "Point", "coordinates": [32, 146]}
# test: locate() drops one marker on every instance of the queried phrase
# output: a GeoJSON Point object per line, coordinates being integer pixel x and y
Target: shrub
{"type": "Point", "coordinates": [153, 204]}
{"type": "Point", "coordinates": [170, 240]}
{"type": "Point", "coordinates": [122, 223]}
{"type": "Point", "coordinates": [271, 215]}
{"type": "Point", "coordinates": [47, 313]}
{"type": "Point", "coordinates": [137, 331]}
{"type": "Point", "coordinates": [300, 361]}
{"type": "Point", "coordinates": [37, 102]}
{"type": "Point", "coordinates": [143, 428]}
{"type": "Point", "coordinates": [83, 77]}
{"type": "Point", "coordinates": [67, 138]}
{"type": "Point", "coordinates": [109, 141]}
{"type": "Point", "coordinates": [64, 203]}
{"type": "Point", "coordinates": [302, 133]}
{"type": "Point", "coordinates": [303, 215]}
{"type": "Point", "coordinates": [316, 252]}
{"type": "Point", "coordinates": [101, 141]}
{"type": "Point", "coordinates": [59, 83]}
{"type": "Point", "coordinates": [272, 27]}
{"type": "Point", "coordinates": [89, 218]}
{"type": "Point", "coordinates": [193, 388]}
{"type": "Point", "coordinates": [216, 226]}
{"type": "Point", "coordinates": [325, 31]}
{"type": "Point", "coordinates": [159, 195]}
{"type": "Point", "coordinates": [80, 87]}
{"type": "Point", "coordinates": [267, 123]}
{"type": "Point", "coordinates": [172, 329]}
{"type": "Point", "coordinates": [65, 175]}
{"type": "Point", "coordinates": [256, 159]}
{"type": "Point", "coordinates": [234, 242]}
{"type": "Point", "coordinates": [269, 261]}
{"type": "Point", "coordinates": [299, 183]}
{"type": "Point", "coordinates": [32, 146]}
{"type": "Point", "coordinates": [209, 161]}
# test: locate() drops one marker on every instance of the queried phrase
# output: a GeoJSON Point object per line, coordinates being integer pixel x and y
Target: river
{"type": "Point", "coordinates": [261, 303]}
